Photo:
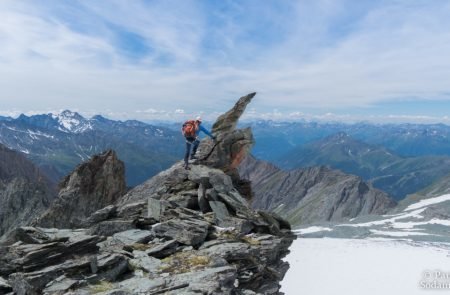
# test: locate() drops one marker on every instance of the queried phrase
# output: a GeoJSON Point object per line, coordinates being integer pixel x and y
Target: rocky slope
{"type": "Point", "coordinates": [181, 232]}
{"type": "Point", "coordinates": [439, 188]}
{"type": "Point", "coordinates": [91, 186]}
{"type": "Point", "coordinates": [421, 223]}
{"type": "Point", "coordinates": [25, 192]}
{"type": "Point", "coordinates": [311, 195]}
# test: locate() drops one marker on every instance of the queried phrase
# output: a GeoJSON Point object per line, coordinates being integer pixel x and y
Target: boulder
{"type": "Point", "coordinates": [100, 215]}
{"type": "Point", "coordinates": [34, 282]}
{"type": "Point", "coordinates": [110, 227]}
{"type": "Point", "coordinates": [141, 285]}
{"type": "Point", "coordinates": [162, 250]}
{"type": "Point", "coordinates": [133, 236]}
{"type": "Point", "coordinates": [143, 261]}
{"type": "Point", "coordinates": [185, 231]}
{"type": "Point", "coordinates": [126, 239]}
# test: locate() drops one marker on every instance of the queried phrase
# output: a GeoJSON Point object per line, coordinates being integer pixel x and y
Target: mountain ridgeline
{"type": "Point", "coordinates": [314, 194]}
{"type": "Point", "coordinates": [394, 174]}
{"type": "Point", "coordinates": [407, 140]}
{"type": "Point", "coordinates": [58, 143]}
{"type": "Point", "coordinates": [399, 159]}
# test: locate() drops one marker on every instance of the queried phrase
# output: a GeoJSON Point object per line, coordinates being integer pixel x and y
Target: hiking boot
{"type": "Point", "coordinates": [187, 167]}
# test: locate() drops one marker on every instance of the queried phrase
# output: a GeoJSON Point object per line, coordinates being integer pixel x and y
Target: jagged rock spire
{"type": "Point", "coordinates": [232, 144]}
{"type": "Point", "coordinates": [227, 122]}
{"type": "Point", "coordinates": [91, 186]}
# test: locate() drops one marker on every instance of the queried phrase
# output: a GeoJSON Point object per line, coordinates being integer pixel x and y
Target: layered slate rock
{"type": "Point", "coordinates": [182, 232]}
{"type": "Point", "coordinates": [90, 187]}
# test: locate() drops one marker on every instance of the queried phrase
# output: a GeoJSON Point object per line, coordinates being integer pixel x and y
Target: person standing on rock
{"type": "Point", "coordinates": [191, 130]}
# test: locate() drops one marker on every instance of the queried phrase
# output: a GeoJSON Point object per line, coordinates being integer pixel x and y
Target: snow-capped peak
{"type": "Point", "coordinates": [72, 122]}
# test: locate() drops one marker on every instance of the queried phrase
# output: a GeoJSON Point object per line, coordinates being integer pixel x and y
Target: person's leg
{"type": "Point", "coordinates": [187, 153]}
{"type": "Point", "coordinates": [194, 149]}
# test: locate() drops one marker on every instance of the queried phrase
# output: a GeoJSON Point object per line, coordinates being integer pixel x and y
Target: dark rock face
{"type": "Point", "coordinates": [25, 192]}
{"type": "Point", "coordinates": [181, 232]}
{"type": "Point", "coordinates": [313, 194]}
{"type": "Point", "coordinates": [90, 187]}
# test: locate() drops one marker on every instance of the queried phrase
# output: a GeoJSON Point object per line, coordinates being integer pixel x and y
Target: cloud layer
{"type": "Point", "coordinates": [189, 57]}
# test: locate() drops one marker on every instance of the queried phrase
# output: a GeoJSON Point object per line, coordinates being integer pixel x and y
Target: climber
{"type": "Point", "coordinates": [190, 130]}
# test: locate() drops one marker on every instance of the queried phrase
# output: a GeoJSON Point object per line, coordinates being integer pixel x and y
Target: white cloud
{"type": "Point", "coordinates": [200, 60]}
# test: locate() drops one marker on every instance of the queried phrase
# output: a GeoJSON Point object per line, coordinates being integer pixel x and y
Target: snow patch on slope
{"type": "Point", "coordinates": [312, 229]}
{"type": "Point", "coordinates": [397, 233]}
{"type": "Point", "coordinates": [428, 202]}
{"type": "Point", "coordinates": [413, 214]}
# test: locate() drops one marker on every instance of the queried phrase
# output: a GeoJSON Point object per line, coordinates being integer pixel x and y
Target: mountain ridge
{"type": "Point", "coordinates": [405, 139]}
{"type": "Point", "coordinates": [312, 194]}
{"type": "Point", "coordinates": [57, 143]}
{"type": "Point", "coordinates": [397, 175]}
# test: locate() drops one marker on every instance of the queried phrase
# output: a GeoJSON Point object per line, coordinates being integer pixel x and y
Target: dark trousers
{"type": "Point", "coordinates": [190, 142]}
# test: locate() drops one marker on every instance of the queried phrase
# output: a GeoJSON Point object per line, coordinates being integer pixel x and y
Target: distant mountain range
{"type": "Point", "coordinates": [396, 175]}
{"type": "Point", "coordinates": [277, 138]}
{"type": "Point", "coordinates": [2, 118]}
{"type": "Point", "coordinates": [381, 154]}
{"type": "Point", "coordinates": [59, 142]}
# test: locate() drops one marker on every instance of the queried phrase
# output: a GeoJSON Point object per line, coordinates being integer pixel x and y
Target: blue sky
{"type": "Point", "coordinates": [320, 60]}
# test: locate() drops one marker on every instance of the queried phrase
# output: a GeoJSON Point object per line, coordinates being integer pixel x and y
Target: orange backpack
{"type": "Point", "coordinates": [190, 128]}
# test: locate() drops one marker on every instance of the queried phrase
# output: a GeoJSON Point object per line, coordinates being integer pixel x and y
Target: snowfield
{"type": "Point", "coordinates": [404, 253]}
{"type": "Point", "coordinates": [323, 266]}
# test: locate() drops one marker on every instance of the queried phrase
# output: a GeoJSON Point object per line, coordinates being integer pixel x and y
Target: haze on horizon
{"type": "Point", "coordinates": [345, 60]}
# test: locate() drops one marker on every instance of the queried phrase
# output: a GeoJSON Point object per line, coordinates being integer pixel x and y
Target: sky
{"type": "Point", "coordinates": [346, 60]}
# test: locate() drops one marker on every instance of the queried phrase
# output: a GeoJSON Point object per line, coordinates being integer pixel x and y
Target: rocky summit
{"type": "Point", "coordinates": [181, 232]}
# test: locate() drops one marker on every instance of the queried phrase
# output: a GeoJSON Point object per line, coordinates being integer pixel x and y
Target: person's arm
{"type": "Point", "coordinates": [206, 132]}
